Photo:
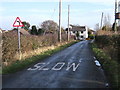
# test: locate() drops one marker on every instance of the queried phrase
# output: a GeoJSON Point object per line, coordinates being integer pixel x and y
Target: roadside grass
{"type": "Point", "coordinates": [109, 65]}
{"type": "Point", "coordinates": [20, 65]}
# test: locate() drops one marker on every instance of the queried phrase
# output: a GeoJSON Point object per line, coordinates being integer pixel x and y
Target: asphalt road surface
{"type": "Point", "coordinates": [73, 67]}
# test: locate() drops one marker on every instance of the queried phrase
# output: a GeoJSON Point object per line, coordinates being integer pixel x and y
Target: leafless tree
{"type": "Point", "coordinates": [97, 27]}
{"type": "Point", "coordinates": [49, 26]}
{"type": "Point", "coordinates": [107, 24]}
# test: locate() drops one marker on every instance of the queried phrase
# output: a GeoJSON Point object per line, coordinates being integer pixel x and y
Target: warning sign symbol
{"type": "Point", "coordinates": [18, 23]}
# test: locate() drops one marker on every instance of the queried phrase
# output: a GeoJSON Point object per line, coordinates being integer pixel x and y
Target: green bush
{"type": "Point", "coordinates": [91, 36]}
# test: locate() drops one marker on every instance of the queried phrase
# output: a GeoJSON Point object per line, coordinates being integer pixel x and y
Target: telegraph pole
{"type": "Point", "coordinates": [59, 32]}
{"type": "Point", "coordinates": [68, 23]}
{"type": "Point", "coordinates": [101, 20]}
{"type": "Point", "coordinates": [19, 42]}
{"type": "Point", "coordinates": [116, 10]}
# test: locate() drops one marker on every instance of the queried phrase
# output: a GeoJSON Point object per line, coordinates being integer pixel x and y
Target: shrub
{"type": "Point", "coordinates": [28, 43]}
{"type": "Point", "coordinates": [109, 65]}
{"type": "Point", "coordinates": [91, 36]}
{"type": "Point", "coordinates": [110, 44]}
{"type": "Point", "coordinates": [108, 52]}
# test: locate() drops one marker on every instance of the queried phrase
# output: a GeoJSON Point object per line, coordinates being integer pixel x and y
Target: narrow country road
{"type": "Point", "coordinates": [73, 67]}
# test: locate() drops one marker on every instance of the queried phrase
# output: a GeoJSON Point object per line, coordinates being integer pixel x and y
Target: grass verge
{"type": "Point", "coordinates": [109, 65]}
{"type": "Point", "coordinates": [19, 65]}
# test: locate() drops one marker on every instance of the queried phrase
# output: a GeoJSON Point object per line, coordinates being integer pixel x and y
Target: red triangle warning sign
{"type": "Point", "coordinates": [18, 23]}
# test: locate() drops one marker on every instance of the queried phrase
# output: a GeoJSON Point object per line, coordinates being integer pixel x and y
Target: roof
{"type": "Point", "coordinates": [2, 31]}
{"type": "Point", "coordinates": [78, 28]}
{"type": "Point", "coordinates": [92, 30]}
{"type": "Point", "coordinates": [24, 32]}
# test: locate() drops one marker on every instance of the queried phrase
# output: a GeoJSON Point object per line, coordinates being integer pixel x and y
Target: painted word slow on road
{"type": "Point", "coordinates": [56, 67]}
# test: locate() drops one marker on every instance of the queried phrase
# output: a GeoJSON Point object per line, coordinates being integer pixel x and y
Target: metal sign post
{"type": "Point", "coordinates": [18, 24]}
{"type": "Point", "coordinates": [19, 45]}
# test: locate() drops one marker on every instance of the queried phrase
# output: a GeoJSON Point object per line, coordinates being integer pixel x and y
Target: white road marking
{"type": "Point", "coordinates": [72, 65]}
{"type": "Point", "coordinates": [58, 66]}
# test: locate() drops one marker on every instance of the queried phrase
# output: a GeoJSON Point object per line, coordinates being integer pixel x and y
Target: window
{"type": "Point", "coordinates": [73, 31]}
{"type": "Point", "coordinates": [81, 31]}
{"type": "Point", "coordinates": [81, 36]}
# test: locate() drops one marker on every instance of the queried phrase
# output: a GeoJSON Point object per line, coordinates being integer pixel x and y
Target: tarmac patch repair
{"type": "Point", "coordinates": [58, 66]}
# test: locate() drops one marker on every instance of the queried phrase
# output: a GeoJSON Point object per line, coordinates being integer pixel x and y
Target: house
{"type": "Point", "coordinates": [0, 30]}
{"type": "Point", "coordinates": [80, 32]}
{"type": "Point", "coordinates": [91, 31]}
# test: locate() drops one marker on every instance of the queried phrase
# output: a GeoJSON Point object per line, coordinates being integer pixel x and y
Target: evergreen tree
{"type": "Point", "coordinates": [34, 30]}
{"type": "Point", "coordinates": [40, 31]}
{"type": "Point", "coordinates": [26, 25]}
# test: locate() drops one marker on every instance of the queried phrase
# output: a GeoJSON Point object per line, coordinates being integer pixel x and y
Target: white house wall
{"type": "Point", "coordinates": [71, 33]}
{"type": "Point", "coordinates": [84, 34]}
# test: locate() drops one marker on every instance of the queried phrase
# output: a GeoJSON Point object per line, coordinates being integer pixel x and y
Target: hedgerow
{"type": "Point", "coordinates": [110, 44]}
{"type": "Point", "coordinates": [28, 43]}
{"type": "Point", "coordinates": [107, 50]}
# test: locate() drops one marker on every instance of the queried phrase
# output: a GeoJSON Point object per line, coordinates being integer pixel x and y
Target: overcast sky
{"type": "Point", "coordinates": [82, 12]}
